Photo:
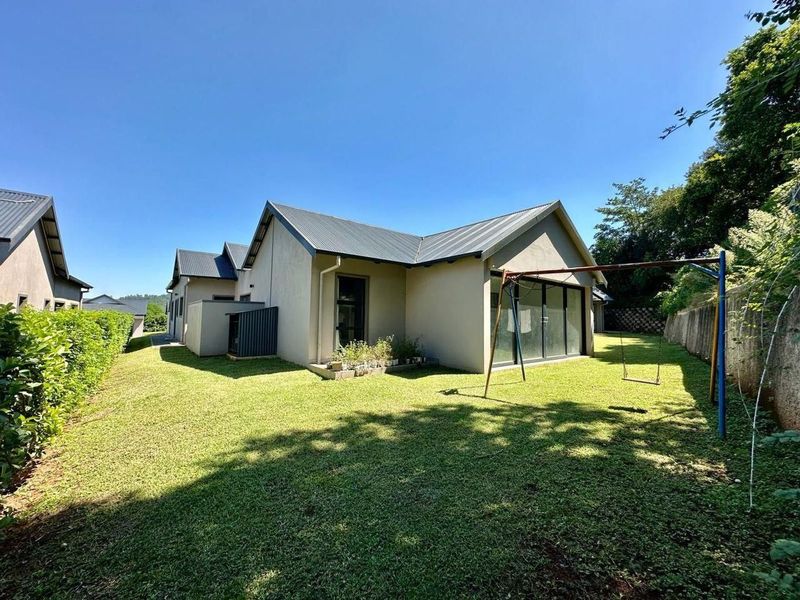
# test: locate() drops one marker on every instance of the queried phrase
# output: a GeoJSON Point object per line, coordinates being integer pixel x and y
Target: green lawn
{"type": "Point", "coordinates": [211, 478]}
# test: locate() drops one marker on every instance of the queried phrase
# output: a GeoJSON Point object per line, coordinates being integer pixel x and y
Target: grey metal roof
{"type": "Point", "coordinates": [333, 235]}
{"type": "Point", "coordinates": [237, 252]}
{"type": "Point", "coordinates": [600, 295]}
{"type": "Point", "coordinates": [19, 213]}
{"type": "Point", "coordinates": [323, 233]}
{"type": "Point", "coordinates": [106, 302]}
{"type": "Point", "coordinates": [477, 238]}
{"type": "Point", "coordinates": [204, 264]}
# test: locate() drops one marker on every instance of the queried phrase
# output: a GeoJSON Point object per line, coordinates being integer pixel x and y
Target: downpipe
{"type": "Point", "coordinates": [319, 314]}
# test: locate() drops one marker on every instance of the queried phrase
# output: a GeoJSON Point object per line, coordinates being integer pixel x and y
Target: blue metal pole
{"type": "Point", "coordinates": [721, 425]}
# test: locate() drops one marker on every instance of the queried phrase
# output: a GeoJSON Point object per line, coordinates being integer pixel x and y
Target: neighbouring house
{"type": "Point", "coordinates": [599, 301]}
{"type": "Point", "coordinates": [334, 280]}
{"type": "Point", "coordinates": [201, 276]}
{"type": "Point", "coordinates": [33, 268]}
{"type": "Point", "coordinates": [135, 307]}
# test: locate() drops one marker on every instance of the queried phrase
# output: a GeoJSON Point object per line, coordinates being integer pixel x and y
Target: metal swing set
{"type": "Point", "coordinates": [718, 366]}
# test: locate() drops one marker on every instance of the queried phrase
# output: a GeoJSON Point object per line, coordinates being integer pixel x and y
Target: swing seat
{"type": "Point", "coordinates": [648, 381]}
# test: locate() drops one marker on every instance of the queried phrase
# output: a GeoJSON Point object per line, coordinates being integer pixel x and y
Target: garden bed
{"type": "Point", "coordinates": [323, 370]}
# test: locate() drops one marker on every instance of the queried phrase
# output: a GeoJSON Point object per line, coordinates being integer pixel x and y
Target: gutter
{"type": "Point", "coordinates": [319, 315]}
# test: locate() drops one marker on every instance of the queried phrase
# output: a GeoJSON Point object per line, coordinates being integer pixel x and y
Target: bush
{"type": "Point", "coordinates": [406, 348]}
{"type": "Point", "coordinates": [49, 361]}
{"type": "Point", "coordinates": [359, 353]}
{"type": "Point", "coordinates": [156, 318]}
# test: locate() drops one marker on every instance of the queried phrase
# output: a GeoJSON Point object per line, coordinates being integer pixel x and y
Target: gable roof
{"type": "Point", "coordinates": [19, 213]}
{"type": "Point", "coordinates": [191, 263]}
{"type": "Point", "coordinates": [236, 253]}
{"type": "Point", "coordinates": [106, 302]}
{"type": "Point", "coordinates": [333, 235]}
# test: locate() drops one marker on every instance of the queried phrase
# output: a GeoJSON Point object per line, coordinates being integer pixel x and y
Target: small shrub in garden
{"type": "Point", "coordinates": [406, 348]}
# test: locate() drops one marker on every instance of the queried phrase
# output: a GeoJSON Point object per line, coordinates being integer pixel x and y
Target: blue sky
{"type": "Point", "coordinates": [158, 125]}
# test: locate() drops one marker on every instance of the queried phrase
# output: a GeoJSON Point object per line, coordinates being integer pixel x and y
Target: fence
{"type": "Point", "coordinates": [635, 320]}
{"type": "Point", "coordinates": [693, 329]}
{"type": "Point", "coordinates": [254, 333]}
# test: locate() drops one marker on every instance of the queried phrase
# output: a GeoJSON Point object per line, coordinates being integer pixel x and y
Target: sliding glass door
{"type": "Point", "coordinates": [550, 319]}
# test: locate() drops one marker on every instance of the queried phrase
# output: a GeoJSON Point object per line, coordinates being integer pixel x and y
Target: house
{"type": "Point", "coordinates": [137, 308]}
{"type": "Point", "coordinates": [201, 276]}
{"type": "Point", "coordinates": [599, 301]}
{"type": "Point", "coordinates": [33, 268]}
{"type": "Point", "coordinates": [335, 280]}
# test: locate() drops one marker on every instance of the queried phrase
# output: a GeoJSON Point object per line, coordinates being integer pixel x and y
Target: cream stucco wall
{"type": "Point", "coordinates": [386, 300]}
{"type": "Point", "coordinates": [281, 276]}
{"type": "Point", "coordinates": [444, 309]}
{"type": "Point", "coordinates": [546, 245]}
{"type": "Point", "coordinates": [193, 289]}
{"type": "Point", "coordinates": [208, 325]}
{"type": "Point", "coordinates": [27, 270]}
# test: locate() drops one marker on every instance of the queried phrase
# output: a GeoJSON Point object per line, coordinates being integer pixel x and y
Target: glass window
{"type": "Point", "coordinates": [529, 311]}
{"type": "Point", "coordinates": [555, 342]}
{"type": "Point", "coordinates": [350, 309]}
{"type": "Point", "coordinates": [504, 349]}
{"type": "Point", "coordinates": [574, 321]}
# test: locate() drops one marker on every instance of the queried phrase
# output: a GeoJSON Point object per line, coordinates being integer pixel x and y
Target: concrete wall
{"type": "Point", "coordinates": [445, 310]}
{"type": "Point", "coordinates": [548, 245]}
{"type": "Point", "coordinates": [138, 327]}
{"type": "Point", "coordinates": [208, 325]}
{"type": "Point", "coordinates": [693, 329]}
{"type": "Point", "coordinates": [281, 276]}
{"type": "Point", "coordinates": [193, 289]}
{"type": "Point", "coordinates": [27, 270]}
{"type": "Point", "coordinates": [386, 300]}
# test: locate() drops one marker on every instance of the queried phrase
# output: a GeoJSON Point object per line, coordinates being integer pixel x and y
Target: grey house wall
{"type": "Point", "coordinates": [27, 270]}
{"type": "Point", "coordinates": [208, 325]}
{"type": "Point", "coordinates": [193, 289]}
{"type": "Point", "coordinates": [281, 276]}
{"type": "Point", "coordinates": [446, 306]}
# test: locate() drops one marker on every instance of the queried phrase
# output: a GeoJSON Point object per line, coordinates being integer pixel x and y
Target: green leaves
{"type": "Point", "coordinates": [782, 437]}
{"type": "Point", "coordinates": [790, 494]}
{"type": "Point", "coordinates": [48, 362]}
{"type": "Point", "coordinates": [783, 548]}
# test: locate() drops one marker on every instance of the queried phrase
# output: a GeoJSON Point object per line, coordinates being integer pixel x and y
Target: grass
{"type": "Point", "coordinates": [208, 478]}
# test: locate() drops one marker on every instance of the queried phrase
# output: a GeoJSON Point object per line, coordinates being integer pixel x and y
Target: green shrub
{"type": "Point", "coordinates": [156, 318]}
{"type": "Point", "coordinates": [406, 348]}
{"type": "Point", "coordinates": [48, 362]}
{"type": "Point", "coordinates": [359, 353]}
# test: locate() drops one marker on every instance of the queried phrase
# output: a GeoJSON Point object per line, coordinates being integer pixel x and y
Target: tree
{"type": "Point", "coordinates": [638, 225]}
{"type": "Point", "coordinates": [156, 318]}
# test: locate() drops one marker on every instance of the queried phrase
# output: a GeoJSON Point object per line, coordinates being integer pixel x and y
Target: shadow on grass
{"type": "Point", "coordinates": [140, 343]}
{"type": "Point", "coordinates": [221, 365]}
{"type": "Point", "coordinates": [455, 499]}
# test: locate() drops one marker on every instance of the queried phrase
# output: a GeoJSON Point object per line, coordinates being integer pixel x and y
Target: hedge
{"type": "Point", "coordinates": [49, 361]}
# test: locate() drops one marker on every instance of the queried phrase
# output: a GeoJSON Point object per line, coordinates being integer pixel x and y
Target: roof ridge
{"type": "Point", "coordinates": [199, 251]}
{"type": "Point", "coordinates": [487, 219]}
{"type": "Point", "coordinates": [279, 206]}
{"type": "Point", "coordinates": [21, 193]}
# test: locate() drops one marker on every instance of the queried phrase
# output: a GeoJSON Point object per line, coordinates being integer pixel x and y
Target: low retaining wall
{"type": "Point", "coordinates": [694, 330]}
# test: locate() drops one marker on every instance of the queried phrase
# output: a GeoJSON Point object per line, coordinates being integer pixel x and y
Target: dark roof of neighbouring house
{"type": "Point", "coordinates": [600, 295]}
{"type": "Point", "coordinates": [19, 213]}
{"type": "Point", "coordinates": [191, 263]}
{"type": "Point", "coordinates": [333, 235]}
{"type": "Point", "coordinates": [106, 302]}
{"type": "Point", "coordinates": [237, 253]}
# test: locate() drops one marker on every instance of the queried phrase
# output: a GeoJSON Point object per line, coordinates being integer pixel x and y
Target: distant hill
{"type": "Point", "coordinates": [160, 299]}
